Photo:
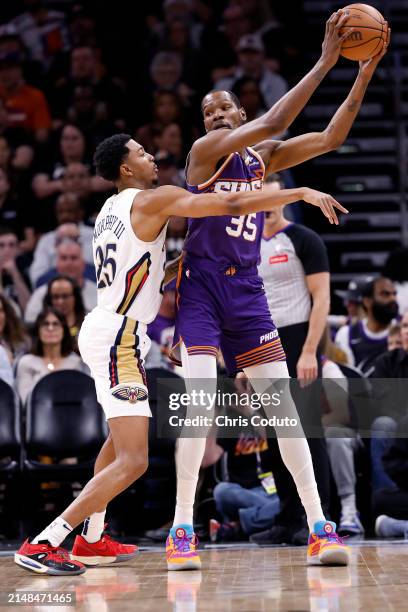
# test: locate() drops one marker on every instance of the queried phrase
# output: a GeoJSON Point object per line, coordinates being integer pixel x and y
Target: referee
{"type": "Point", "coordinates": [295, 270]}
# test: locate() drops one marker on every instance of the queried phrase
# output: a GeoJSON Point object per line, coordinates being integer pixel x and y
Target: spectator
{"type": "Point", "coordinates": [89, 113]}
{"type": "Point", "coordinates": [251, 62]}
{"type": "Point", "coordinates": [6, 371]}
{"type": "Point", "coordinates": [12, 333]}
{"type": "Point", "coordinates": [246, 497]}
{"type": "Point", "coordinates": [393, 365]}
{"type": "Point", "coordinates": [250, 96]}
{"type": "Point", "coordinates": [222, 48]}
{"type": "Point", "coordinates": [72, 148]}
{"type": "Point", "coordinates": [396, 269]}
{"type": "Point", "coordinates": [70, 264]}
{"type": "Point", "coordinates": [17, 140]}
{"type": "Point", "coordinates": [170, 140]}
{"type": "Point", "coordinates": [391, 503]}
{"type": "Point", "coordinates": [43, 32]}
{"type": "Point", "coordinates": [13, 283]}
{"type": "Point", "coordinates": [394, 340]}
{"type": "Point", "coordinates": [166, 73]}
{"type": "Point", "coordinates": [26, 105]}
{"type": "Point", "coordinates": [169, 174]}
{"type": "Point", "coordinates": [342, 444]}
{"type": "Point", "coordinates": [167, 109]}
{"type": "Point", "coordinates": [366, 339]}
{"type": "Point", "coordinates": [352, 301]}
{"type": "Point", "coordinates": [86, 70]}
{"type": "Point", "coordinates": [52, 350]}
{"type": "Point", "coordinates": [13, 213]}
{"type": "Point", "coordinates": [69, 214]}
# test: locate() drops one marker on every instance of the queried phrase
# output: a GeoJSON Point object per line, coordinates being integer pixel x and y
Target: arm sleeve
{"type": "Point", "coordinates": [310, 249]}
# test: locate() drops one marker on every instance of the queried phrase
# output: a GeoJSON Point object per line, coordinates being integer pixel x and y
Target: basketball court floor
{"type": "Point", "coordinates": [235, 578]}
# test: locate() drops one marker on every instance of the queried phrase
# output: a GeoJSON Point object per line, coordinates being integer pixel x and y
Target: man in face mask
{"type": "Point", "coordinates": [366, 339]}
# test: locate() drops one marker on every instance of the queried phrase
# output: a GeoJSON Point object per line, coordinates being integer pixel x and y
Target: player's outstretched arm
{"type": "Point", "coordinates": [277, 119]}
{"type": "Point", "coordinates": [289, 153]}
{"type": "Point", "coordinates": [169, 201]}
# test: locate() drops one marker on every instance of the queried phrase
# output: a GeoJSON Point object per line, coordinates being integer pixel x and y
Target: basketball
{"type": "Point", "coordinates": [370, 32]}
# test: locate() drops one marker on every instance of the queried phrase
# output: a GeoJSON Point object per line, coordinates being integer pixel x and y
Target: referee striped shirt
{"type": "Point", "coordinates": [287, 258]}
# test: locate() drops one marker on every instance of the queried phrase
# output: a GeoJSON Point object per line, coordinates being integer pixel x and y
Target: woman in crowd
{"type": "Point", "coordinates": [65, 295]}
{"type": "Point", "coordinates": [52, 350]}
{"type": "Point", "coordinates": [13, 336]}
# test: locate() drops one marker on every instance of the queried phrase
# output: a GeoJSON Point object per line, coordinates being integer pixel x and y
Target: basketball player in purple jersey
{"type": "Point", "coordinates": [221, 301]}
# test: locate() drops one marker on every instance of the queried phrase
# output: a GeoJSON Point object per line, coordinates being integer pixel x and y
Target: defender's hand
{"type": "Point", "coordinates": [325, 202]}
{"type": "Point", "coordinates": [332, 42]}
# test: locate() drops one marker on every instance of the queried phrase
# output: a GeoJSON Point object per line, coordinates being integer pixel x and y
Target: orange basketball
{"type": "Point", "coordinates": [370, 32]}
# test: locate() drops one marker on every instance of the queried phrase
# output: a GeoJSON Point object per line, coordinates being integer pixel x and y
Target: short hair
{"type": "Point", "coordinates": [5, 230]}
{"type": "Point", "coordinates": [231, 94]}
{"type": "Point", "coordinates": [163, 58]}
{"type": "Point", "coordinates": [110, 154]}
{"type": "Point", "coordinates": [394, 329]}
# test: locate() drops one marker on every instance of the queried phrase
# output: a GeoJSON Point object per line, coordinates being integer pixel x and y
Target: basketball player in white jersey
{"type": "Point", "coordinates": [129, 256]}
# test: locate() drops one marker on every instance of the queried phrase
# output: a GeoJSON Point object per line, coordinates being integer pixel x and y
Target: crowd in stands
{"type": "Point", "coordinates": [66, 82]}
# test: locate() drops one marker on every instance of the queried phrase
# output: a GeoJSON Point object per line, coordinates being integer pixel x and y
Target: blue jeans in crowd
{"type": "Point", "coordinates": [382, 436]}
{"type": "Point", "coordinates": [254, 508]}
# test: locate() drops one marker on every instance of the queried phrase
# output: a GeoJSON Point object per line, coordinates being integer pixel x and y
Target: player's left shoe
{"type": "Point", "coordinates": [325, 547]}
{"type": "Point", "coordinates": [103, 552]}
{"type": "Point", "coordinates": [181, 550]}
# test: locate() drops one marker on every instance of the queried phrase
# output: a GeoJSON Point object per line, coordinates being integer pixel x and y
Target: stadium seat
{"type": "Point", "coordinates": [10, 439]}
{"type": "Point", "coordinates": [63, 419]}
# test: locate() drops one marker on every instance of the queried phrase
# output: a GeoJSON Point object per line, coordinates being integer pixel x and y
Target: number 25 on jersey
{"type": "Point", "coordinates": [105, 265]}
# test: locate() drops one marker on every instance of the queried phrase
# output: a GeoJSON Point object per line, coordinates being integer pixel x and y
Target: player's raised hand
{"type": "Point", "coordinates": [325, 202]}
{"type": "Point", "coordinates": [368, 67]}
{"type": "Point", "coordinates": [332, 42]}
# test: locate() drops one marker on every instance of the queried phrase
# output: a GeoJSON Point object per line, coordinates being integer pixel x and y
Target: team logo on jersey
{"type": "Point", "coordinates": [130, 394]}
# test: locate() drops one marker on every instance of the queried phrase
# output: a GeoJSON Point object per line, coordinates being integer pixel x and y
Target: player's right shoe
{"type": "Point", "coordinates": [43, 558]}
{"type": "Point", "coordinates": [103, 552]}
{"type": "Point", "coordinates": [181, 551]}
{"type": "Point", "coordinates": [325, 547]}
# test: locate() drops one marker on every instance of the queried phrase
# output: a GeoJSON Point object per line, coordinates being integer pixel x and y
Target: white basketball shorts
{"type": "Point", "coordinates": [114, 348]}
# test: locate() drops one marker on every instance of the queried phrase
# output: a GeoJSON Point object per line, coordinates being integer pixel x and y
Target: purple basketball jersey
{"type": "Point", "coordinates": [229, 240]}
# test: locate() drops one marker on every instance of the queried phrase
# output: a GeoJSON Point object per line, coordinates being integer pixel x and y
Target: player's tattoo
{"type": "Point", "coordinates": [353, 106]}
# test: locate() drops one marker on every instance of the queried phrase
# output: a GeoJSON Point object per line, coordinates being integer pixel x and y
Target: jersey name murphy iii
{"type": "Point", "coordinates": [129, 271]}
{"type": "Point", "coordinates": [229, 240]}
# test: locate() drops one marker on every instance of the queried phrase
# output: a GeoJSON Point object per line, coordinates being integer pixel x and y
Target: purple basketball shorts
{"type": "Point", "coordinates": [224, 307]}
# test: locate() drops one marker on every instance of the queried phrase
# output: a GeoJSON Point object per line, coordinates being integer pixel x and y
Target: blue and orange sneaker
{"type": "Point", "coordinates": [325, 547]}
{"type": "Point", "coordinates": [181, 549]}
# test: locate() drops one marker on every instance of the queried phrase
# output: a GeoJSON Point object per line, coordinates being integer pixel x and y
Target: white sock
{"type": "Point", "coordinates": [55, 533]}
{"type": "Point", "coordinates": [295, 451]}
{"type": "Point", "coordinates": [189, 455]}
{"type": "Point", "coordinates": [348, 505]}
{"type": "Point", "coordinates": [190, 451]}
{"type": "Point", "coordinates": [93, 527]}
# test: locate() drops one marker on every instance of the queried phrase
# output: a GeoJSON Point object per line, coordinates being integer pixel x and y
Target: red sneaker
{"type": "Point", "coordinates": [103, 552]}
{"type": "Point", "coordinates": [46, 559]}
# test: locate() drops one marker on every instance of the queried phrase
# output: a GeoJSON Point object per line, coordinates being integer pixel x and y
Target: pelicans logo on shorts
{"type": "Point", "coordinates": [130, 394]}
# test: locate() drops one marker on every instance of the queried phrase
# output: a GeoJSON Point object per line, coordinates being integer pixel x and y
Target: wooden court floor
{"type": "Point", "coordinates": [238, 579]}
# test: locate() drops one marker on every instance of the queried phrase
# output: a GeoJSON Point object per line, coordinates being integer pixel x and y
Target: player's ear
{"type": "Point", "coordinates": [125, 170]}
{"type": "Point", "coordinates": [243, 114]}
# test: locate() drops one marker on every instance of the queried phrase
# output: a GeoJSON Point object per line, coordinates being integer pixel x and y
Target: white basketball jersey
{"type": "Point", "coordinates": [129, 271]}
